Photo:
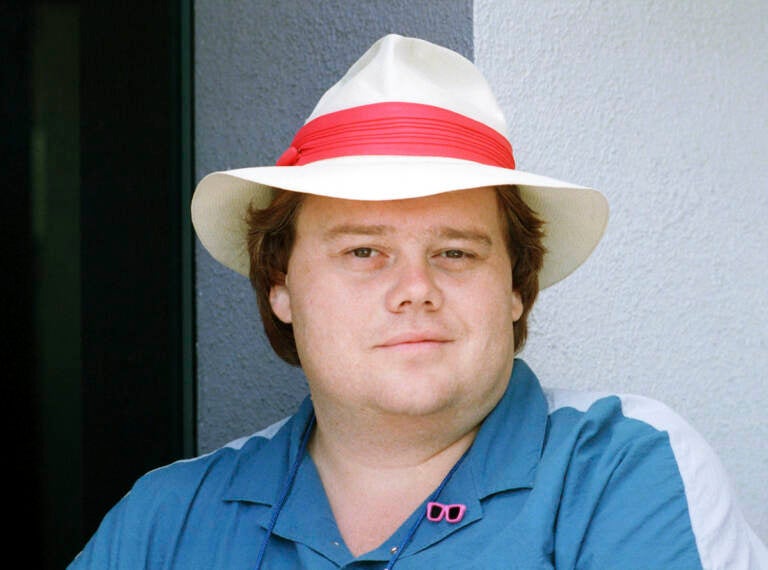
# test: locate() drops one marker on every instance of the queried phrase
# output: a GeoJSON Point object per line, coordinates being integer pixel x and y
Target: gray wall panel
{"type": "Point", "coordinates": [260, 67]}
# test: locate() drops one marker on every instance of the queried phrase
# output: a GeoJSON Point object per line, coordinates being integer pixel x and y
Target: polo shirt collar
{"type": "Point", "coordinates": [262, 468]}
{"type": "Point", "coordinates": [508, 447]}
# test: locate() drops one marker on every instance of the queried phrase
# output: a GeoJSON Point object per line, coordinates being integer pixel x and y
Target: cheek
{"type": "Point", "coordinates": [322, 310]}
{"type": "Point", "coordinates": [500, 320]}
{"type": "Point", "coordinates": [329, 331]}
{"type": "Point", "coordinates": [497, 306]}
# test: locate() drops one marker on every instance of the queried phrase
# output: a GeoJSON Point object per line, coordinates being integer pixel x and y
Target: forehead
{"type": "Point", "coordinates": [475, 208]}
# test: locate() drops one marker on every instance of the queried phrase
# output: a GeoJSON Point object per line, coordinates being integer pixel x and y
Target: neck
{"type": "Point", "coordinates": [377, 470]}
{"type": "Point", "coordinates": [367, 440]}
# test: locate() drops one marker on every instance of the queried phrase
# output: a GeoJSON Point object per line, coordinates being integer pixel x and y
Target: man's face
{"type": "Point", "coordinates": [403, 306]}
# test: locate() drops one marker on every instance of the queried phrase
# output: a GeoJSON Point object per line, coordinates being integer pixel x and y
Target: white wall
{"type": "Point", "coordinates": [662, 106]}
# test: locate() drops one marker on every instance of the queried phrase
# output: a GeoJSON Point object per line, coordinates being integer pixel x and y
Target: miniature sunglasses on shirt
{"type": "Point", "coordinates": [452, 513]}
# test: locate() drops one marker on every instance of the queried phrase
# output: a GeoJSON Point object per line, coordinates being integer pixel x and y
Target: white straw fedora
{"type": "Point", "coordinates": [408, 119]}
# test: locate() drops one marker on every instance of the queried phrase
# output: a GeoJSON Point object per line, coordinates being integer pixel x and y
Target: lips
{"type": "Point", "coordinates": [415, 339]}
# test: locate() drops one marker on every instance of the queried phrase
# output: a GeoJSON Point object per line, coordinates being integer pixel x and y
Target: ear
{"type": "Point", "coordinates": [517, 305]}
{"type": "Point", "coordinates": [280, 299]}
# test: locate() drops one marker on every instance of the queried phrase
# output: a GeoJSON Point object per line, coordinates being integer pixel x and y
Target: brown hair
{"type": "Point", "coordinates": [272, 230]}
{"type": "Point", "coordinates": [525, 234]}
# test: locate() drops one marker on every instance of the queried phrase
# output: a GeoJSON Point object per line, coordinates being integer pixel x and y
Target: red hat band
{"type": "Point", "coordinates": [400, 129]}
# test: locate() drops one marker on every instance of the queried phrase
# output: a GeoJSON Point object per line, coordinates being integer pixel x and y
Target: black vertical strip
{"type": "Point", "coordinates": [17, 286]}
{"type": "Point", "coordinates": [187, 163]}
{"type": "Point", "coordinates": [132, 321]}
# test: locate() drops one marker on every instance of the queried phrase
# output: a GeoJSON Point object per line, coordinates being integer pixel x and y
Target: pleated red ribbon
{"type": "Point", "coordinates": [401, 129]}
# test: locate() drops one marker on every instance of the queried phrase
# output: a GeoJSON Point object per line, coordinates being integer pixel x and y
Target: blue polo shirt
{"type": "Point", "coordinates": [554, 479]}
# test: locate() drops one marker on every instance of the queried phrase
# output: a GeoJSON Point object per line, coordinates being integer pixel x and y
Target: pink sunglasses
{"type": "Point", "coordinates": [452, 513]}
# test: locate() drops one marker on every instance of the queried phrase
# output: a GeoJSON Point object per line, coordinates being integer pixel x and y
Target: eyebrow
{"type": "Point", "coordinates": [465, 234]}
{"type": "Point", "coordinates": [446, 232]}
{"type": "Point", "coordinates": [356, 229]}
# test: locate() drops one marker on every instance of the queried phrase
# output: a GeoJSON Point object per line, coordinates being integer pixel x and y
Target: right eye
{"type": "Point", "coordinates": [363, 252]}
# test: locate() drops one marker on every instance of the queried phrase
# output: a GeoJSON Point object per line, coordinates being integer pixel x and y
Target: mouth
{"type": "Point", "coordinates": [415, 341]}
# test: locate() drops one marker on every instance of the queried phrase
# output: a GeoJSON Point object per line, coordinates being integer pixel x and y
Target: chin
{"type": "Point", "coordinates": [413, 409]}
{"type": "Point", "coordinates": [415, 396]}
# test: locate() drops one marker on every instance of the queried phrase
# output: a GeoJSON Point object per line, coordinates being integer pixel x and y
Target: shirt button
{"type": "Point", "coordinates": [393, 549]}
{"type": "Point", "coordinates": [336, 543]}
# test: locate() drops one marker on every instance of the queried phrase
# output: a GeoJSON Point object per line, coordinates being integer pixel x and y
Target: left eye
{"type": "Point", "coordinates": [454, 254]}
{"type": "Point", "coordinates": [362, 252]}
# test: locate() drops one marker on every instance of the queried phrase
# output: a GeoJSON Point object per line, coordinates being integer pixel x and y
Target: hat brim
{"type": "Point", "coordinates": [575, 216]}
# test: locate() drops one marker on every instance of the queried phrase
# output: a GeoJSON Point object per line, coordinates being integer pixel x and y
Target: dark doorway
{"type": "Point", "coordinates": [97, 104]}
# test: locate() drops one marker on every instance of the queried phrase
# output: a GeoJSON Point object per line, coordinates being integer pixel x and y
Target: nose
{"type": "Point", "coordinates": [414, 287]}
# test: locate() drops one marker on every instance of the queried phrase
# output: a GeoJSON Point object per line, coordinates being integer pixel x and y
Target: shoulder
{"type": "Point", "coordinates": [163, 503]}
{"type": "Point", "coordinates": [206, 477]}
{"type": "Point", "coordinates": [630, 435]}
{"type": "Point", "coordinates": [621, 419]}
{"type": "Point", "coordinates": [216, 465]}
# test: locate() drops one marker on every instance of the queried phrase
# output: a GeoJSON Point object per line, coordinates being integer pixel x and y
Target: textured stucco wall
{"type": "Point", "coordinates": [260, 67]}
{"type": "Point", "coordinates": [661, 105]}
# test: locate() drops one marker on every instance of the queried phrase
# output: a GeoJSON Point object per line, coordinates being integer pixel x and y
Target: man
{"type": "Point", "coordinates": [396, 252]}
